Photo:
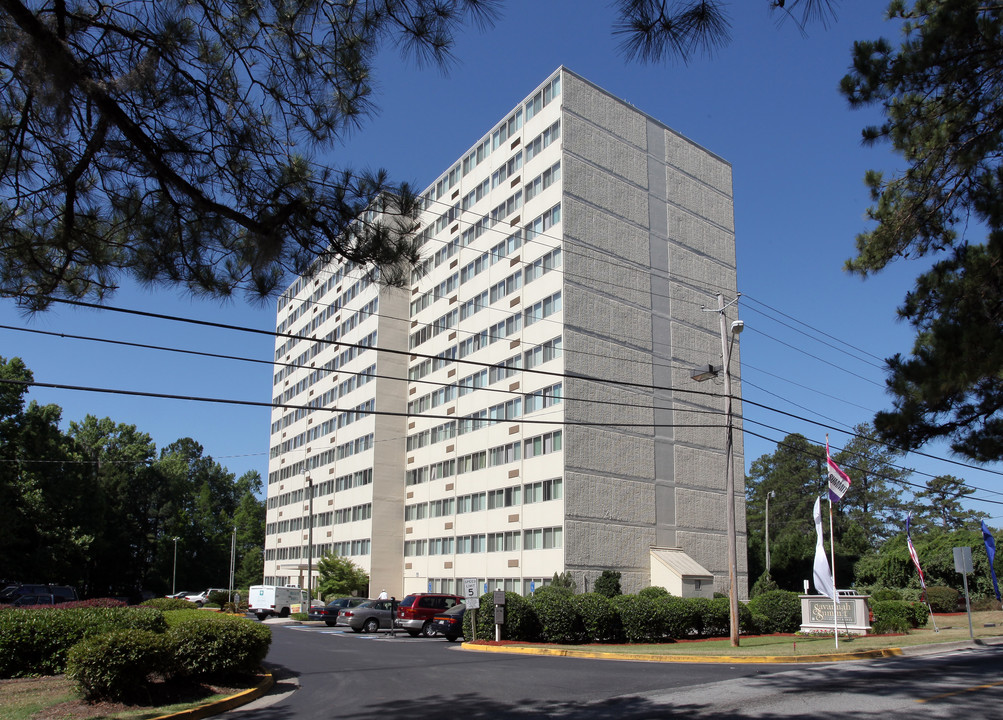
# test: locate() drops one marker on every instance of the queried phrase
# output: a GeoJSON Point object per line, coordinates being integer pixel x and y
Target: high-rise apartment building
{"type": "Point", "coordinates": [526, 406]}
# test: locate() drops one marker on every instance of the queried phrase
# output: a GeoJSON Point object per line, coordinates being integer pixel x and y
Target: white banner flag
{"type": "Point", "coordinates": [822, 573]}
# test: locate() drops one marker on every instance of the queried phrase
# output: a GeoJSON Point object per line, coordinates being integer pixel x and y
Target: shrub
{"type": "Point", "coordinates": [986, 603]}
{"type": "Point", "coordinates": [781, 611]}
{"type": "Point", "coordinates": [942, 599]}
{"type": "Point", "coordinates": [600, 620]}
{"type": "Point", "coordinates": [168, 604]}
{"type": "Point", "coordinates": [920, 614]}
{"type": "Point", "coordinates": [655, 592]}
{"type": "Point", "coordinates": [35, 642]}
{"type": "Point", "coordinates": [608, 584]}
{"type": "Point", "coordinates": [557, 615]}
{"type": "Point", "coordinates": [882, 594]}
{"type": "Point", "coordinates": [213, 644]}
{"type": "Point", "coordinates": [681, 616]}
{"type": "Point", "coordinates": [890, 625]}
{"type": "Point", "coordinates": [521, 622]}
{"type": "Point", "coordinates": [898, 615]}
{"type": "Point", "coordinates": [564, 580]}
{"type": "Point", "coordinates": [93, 603]}
{"type": "Point", "coordinates": [643, 619]}
{"type": "Point", "coordinates": [764, 584]}
{"type": "Point", "coordinates": [714, 617]}
{"type": "Point", "coordinates": [218, 598]}
{"type": "Point", "coordinates": [116, 665]}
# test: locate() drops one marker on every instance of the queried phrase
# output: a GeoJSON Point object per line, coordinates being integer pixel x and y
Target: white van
{"type": "Point", "coordinates": [265, 600]}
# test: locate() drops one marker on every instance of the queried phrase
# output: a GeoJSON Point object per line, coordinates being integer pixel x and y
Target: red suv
{"type": "Point", "coordinates": [415, 612]}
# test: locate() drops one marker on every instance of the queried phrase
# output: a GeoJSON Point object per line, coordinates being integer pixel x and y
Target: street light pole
{"type": "Point", "coordinates": [309, 551]}
{"type": "Point", "coordinates": [174, 571]}
{"type": "Point", "coordinates": [770, 494]}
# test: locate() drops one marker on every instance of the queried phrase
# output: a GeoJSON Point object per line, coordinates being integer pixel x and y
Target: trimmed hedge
{"type": "Point", "coordinates": [898, 616]}
{"type": "Point", "coordinates": [600, 620]}
{"type": "Point", "coordinates": [166, 604]}
{"type": "Point", "coordinates": [521, 622]}
{"type": "Point", "coordinates": [117, 664]}
{"type": "Point", "coordinates": [557, 615]}
{"type": "Point", "coordinates": [943, 599]}
{"type": "Point", "coordinates": [643, 619]}
{"type": "Point", "coordinates": [681, 616]}
{"type": "Point", "coordinates": [780, 611]}
{"type": "Point", "coordinates": [212, 644]}
{"type": "Point", "coordinates": [35, 642]}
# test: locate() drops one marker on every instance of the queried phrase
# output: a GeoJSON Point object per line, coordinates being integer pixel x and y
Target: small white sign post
{"type": "Point", "coordinates": [963, 565]}
{"type": "Point", "coordinates": [473, 601]}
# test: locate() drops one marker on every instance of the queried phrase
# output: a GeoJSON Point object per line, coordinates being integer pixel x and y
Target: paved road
{"type": "Point", "coordinates": [357, 677]}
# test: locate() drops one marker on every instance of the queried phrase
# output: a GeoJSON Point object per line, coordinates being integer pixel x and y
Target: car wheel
{"type": "Point", "coordinates": [414, 633]}
{"type": "Point", "coordinates": [357, 630]}
{"type": "Point", "coordinates": [284, 613]}
{"type": "Point", "coordinates": [427, 630]}
{"type": "Point", "coordinates": [262, 616]}
{"type": "Point", "coordinates": [330, 623]}
{"type": "Point", "coordinates": [372, 625]}
{"type": "Point", "coordinates": [452, 638]}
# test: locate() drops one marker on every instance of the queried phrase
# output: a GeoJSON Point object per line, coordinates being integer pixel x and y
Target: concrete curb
{"type": "Point", "coordinates": [707, 659]}
{"type": "Point", "coordinates": [221, 706]}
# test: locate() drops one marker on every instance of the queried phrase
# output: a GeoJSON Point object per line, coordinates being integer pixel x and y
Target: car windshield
{"type": "Point", "coordinates": [407, 602]}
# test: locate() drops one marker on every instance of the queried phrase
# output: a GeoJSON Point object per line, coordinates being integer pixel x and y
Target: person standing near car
{"type": "Point", "coordinates": [383, 595]}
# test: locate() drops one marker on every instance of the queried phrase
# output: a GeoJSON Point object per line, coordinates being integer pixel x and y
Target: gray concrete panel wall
{"type": "Point", "coordinates": [646, 211]}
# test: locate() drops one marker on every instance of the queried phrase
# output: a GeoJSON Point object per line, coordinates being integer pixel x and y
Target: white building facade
{"type": "Point", "coordinates": [526, 407]}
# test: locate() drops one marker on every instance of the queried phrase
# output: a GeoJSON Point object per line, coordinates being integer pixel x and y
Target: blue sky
{"type": "Point", "coordinates": [768, 103]}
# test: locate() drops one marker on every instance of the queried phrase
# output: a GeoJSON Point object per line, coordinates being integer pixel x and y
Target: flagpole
{"type": "Point", "coordinates": [835, 592]}
{"type": "Point", "coordinates": [832, 551]}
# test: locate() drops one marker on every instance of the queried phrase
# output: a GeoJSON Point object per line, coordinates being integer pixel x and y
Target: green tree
{"type": "Point", "coordinates": [940, 504]}
{"type": "Point", "coordinates": [872, 504]}
{"type": "Point", "coordinates": [941, 92]}
{"type": "Point", "coordinates": [249, 520]}
{"type": "Point", "coordinates": [795, 474]}
{"type": "Point", "coordinates": [175, 141]}
{"type": "Point", "coordinates": [339, 576]}
{"type": "Point", "coordinates": [656, 29]}
{"type": "Point", "coordinates": [891, 566]}
{"type": "Point", "coordinates": [130, 498]}
{"type": "Point", "coordinates": [48, 500]}
{"type": "Point", "coordinates": [564, 580]}
{"type": "Point", "coordinates": [206, 502]}
{"type": "Point", "coordinates": [608, 584]}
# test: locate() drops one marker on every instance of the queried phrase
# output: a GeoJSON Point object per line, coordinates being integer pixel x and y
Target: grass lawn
{"type": "Point", "coordinates": [56, 698]}
{"type": "Point", "coordinates": [952, 628]}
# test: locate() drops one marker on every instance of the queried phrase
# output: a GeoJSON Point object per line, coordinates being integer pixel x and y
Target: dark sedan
{"type": "Point", "coordinates": [450, 623]}
{"type": "Point", "coordinates": [329, 613]}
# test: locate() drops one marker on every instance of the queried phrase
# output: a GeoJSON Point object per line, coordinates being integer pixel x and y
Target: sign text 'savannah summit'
{"type": "Point", "coordinates": [820, 611]}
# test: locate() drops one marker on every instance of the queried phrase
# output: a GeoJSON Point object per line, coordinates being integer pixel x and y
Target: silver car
{"type": "Point", "coordinates": [371, 616]}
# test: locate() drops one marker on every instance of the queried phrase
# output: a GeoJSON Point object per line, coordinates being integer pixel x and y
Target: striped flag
{"type": "Point", "coordinates": [912, 552]}
{"type": "Point", "coordinates": [839, 481]}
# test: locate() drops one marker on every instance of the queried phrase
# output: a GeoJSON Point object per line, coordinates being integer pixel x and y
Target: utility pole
{"type": "Point", "coordinates": [729, 452]}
